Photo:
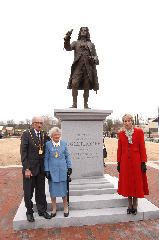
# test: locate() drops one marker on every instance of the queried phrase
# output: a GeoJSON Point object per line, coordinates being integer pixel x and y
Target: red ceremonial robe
{"type": "Point", "coordinates": [132, 181]}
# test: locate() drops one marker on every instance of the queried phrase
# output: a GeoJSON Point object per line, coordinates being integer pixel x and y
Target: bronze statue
{"type": "Point", "coordinates": [83, 71]}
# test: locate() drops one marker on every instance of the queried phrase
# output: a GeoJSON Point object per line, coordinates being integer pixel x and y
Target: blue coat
{"type": "Point", "coordinates": [57, 160]}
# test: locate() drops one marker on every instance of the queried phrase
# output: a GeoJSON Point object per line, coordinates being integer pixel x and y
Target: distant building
{"type": "Point", "coordinates": [153, 125]}
{"type": "Point", "coordinates": [10, 131]}
{"type": "Point", "coordinates": [18, 131]}
{"type": "Point", "coordinates": [2, 131]}
{"type": "Point", "coordinates": [145, 128]}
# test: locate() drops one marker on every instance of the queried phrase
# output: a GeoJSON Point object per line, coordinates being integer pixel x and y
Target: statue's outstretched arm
{"type": "Point", "coordinates": [67, 38]}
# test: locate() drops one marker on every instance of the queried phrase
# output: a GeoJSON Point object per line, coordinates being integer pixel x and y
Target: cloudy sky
{"type": "Point", "coordinates": [34, 68]}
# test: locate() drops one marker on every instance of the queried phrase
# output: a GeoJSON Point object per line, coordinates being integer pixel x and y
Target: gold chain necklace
{"type": "Point", "coordinates": [41, 143]}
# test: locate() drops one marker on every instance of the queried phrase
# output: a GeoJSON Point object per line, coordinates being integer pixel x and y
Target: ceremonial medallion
{"type": "Point", "coordinates": [56, 154]}
{"type": "Point", "coordinates": [40, 151]}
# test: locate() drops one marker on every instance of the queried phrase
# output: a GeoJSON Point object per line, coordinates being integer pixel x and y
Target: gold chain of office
{"type": "Point", "coordinates": [41, 143]}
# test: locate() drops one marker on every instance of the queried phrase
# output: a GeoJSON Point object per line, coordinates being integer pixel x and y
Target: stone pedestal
{"type": "Point", "coordinates": [83, 131]}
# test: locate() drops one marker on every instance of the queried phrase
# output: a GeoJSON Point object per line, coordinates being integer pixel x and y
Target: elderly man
{"type": "Point", "coordinates": [32, 156]}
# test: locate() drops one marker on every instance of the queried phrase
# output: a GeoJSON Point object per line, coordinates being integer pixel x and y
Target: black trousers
{"type": "Point", "coordinates": [37, 183]}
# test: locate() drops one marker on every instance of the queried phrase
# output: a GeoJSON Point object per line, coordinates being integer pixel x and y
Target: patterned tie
{"type": "Point", "coordinates": [38, 135]}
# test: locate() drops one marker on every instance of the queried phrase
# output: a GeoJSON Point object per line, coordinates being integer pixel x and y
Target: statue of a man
{"type": "Point", "coordinates": [83, 71]}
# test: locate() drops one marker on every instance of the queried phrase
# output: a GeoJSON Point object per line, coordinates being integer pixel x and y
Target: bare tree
{"type": "Point", "coordinates": [10, 123]}
{"type": "Point", "coordinates": [108, 125]}
{"type": "Point", "coordinates": [28, 122]}
{"type": "Point", "coordinates": [111, 127]}
{"type": "Point", "coordinates": [117, 124]}
{"type": "Point", "coordinates": [48, 122]}
{"type": "Point", "coordinates": [2, 123]}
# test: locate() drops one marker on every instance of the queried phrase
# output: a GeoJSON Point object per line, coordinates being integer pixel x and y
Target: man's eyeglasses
{"type": "Point", "coordinates": [38, 122]}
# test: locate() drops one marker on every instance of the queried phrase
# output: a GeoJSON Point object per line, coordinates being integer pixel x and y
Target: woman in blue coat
{"type": "Point", "coordinates": [57, 164]}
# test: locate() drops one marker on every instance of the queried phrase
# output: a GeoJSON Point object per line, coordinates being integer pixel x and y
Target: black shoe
{"type": "Point", "coordinates": [74, 106]}
{"type": "Point", "coordinates": [53, 215]}
{"type": "Point", "coordinates": [45, 215]}
{"type": "Point", "coordinates": [86, 107]}
{"type": "Point", "coordinates": [30, 217]}
{"type": "Point", "coordinates": [66, 214]}
{"type": "Point", "coordinates": [129, 210]}
{"type": "Point", "coordinates": [134, 211]}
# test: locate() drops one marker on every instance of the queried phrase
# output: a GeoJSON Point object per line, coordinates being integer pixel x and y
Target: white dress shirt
{"type": "Point", "coordinates": [56, 144]}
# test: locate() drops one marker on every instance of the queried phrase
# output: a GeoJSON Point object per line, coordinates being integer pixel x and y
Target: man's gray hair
{"type": "Point", "coordinates": [37, 119]}
{"type": "Point", "coordinates": [54, 130]}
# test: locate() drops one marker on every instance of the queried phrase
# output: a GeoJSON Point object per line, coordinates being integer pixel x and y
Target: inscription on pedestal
{"type": "Point", "coordinates": [84, 146]}
{"type": "Point", "coordinates": [84, 140]}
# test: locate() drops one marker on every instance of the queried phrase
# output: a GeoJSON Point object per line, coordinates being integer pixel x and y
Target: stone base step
{"type": "Point", "coordinates": [90, 202]}
{"type": "Point", "coordinates": [89, 181]}
{"type": "Point", "coordinates": [146, 210]}
{"type": "Point", "coordinates": [92, 191]}
{"type": "Point", "coordinates": [91, 186]}
{"type": "Point", "coordinates": [89, 192]}
{"type": "Point", "coordinates": [88, 207]}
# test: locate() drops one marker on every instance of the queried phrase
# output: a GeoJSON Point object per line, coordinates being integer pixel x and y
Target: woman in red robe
{"type": "Point", "coordinates": [131, 158]}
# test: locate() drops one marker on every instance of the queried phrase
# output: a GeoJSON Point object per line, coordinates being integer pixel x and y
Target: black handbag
{"type": "Point", "coordinates": [104, 152]}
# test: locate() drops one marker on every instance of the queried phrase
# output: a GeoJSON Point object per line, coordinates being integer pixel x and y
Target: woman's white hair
{"type": "Point", "coordinates": [54, 130]}
{"type": "Point", "coordinates": [127, 115]}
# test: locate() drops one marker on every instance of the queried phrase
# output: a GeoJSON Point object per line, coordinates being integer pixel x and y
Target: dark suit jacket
{"type": "Point", "coordinates": [29, 150]}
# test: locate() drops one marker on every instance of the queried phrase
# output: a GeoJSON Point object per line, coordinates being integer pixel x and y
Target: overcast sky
{"type": "Point", "coordinates": [34, 68]}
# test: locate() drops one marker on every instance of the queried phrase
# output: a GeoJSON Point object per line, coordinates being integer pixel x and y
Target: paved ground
{"type": "Point", "coordinates": [11, 195]}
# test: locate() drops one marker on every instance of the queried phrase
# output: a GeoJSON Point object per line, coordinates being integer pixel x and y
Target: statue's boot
{"type": "Point", "coordinates": [86, 95]}
{"type": "Point", "coordinates": [74, 95]}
